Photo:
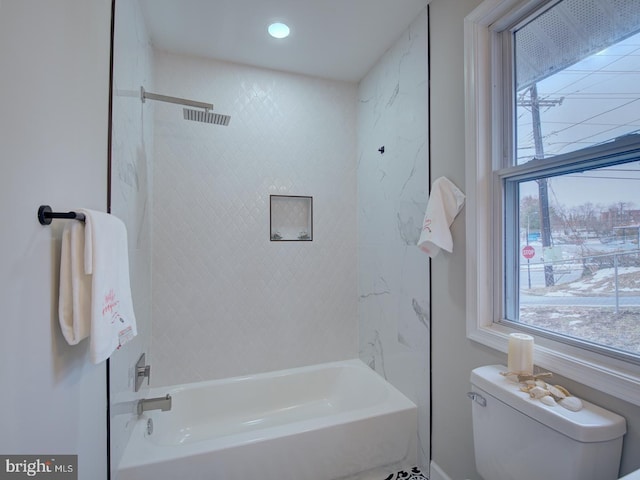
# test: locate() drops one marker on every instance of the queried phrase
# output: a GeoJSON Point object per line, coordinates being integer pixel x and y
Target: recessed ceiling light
{"type": "Point", "coordinates": [278, 30]}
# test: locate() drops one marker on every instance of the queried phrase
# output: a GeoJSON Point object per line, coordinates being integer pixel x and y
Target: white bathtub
{"type": "Point", "coordinates": [312, 423]}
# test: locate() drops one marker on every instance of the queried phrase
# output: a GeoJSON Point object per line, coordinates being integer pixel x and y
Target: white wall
{"type": "Point", "coordinates": [453, 355]}
{"type": "Point", "coordinates": [131, 201]}
{"type": "Point", "coordinates": [393, 274]}
{"type": "Point", "coordinates": [226, 300]}
{"type": "Point", "coordinates": [54, 92]}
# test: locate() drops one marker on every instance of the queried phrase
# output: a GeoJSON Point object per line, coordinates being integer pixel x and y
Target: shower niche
{"type": "Point", "coordinates": [291, 218]}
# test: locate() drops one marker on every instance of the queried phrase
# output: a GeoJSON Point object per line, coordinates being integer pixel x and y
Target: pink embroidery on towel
{"type": "Point", "coordinates": [427, 222]}
{"type": "Point", "coordinates": [110, 303]}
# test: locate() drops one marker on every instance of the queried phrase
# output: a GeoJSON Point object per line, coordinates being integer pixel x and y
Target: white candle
{"type": "Point", "coordinates": [520, 355]}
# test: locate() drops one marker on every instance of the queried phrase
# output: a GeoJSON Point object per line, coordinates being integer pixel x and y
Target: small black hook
{"type": "Point", "coordinates": [381, 150]}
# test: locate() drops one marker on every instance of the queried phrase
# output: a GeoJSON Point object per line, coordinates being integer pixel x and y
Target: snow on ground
{"type": "Point", "coordinates": [601, 283]}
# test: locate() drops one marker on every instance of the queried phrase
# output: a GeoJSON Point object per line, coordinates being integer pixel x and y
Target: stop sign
{"type": "Point", "coordinates": [528, 252]}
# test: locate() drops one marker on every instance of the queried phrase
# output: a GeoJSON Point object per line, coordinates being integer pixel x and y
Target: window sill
{"type": "Point", "coordinates": [616, 378]}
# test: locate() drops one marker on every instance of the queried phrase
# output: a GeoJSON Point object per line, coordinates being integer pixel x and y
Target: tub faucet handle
{"type": "Point", "coordinates": [142, 371]}
{"type": "Point", "coordinates": [145, 372]}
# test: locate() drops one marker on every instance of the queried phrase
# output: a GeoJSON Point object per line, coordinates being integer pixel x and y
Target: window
{"type": "Point", "coordinates": [553, 164]}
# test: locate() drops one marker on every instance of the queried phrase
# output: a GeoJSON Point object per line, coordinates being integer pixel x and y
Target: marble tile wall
{"type": "Point", "coordinates": [131, 201]}
{"type": "Point", "coordinates": [393, 274]}
{"type": "Point", "coordinates": [226, 300]}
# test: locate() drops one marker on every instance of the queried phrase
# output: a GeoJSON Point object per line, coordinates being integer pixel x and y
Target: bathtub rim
{"type": "Point", "coordinates": [352, 362]}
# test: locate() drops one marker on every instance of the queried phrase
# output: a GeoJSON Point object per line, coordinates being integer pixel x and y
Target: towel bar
{"type": "Point", "coordinates": [45, 215]}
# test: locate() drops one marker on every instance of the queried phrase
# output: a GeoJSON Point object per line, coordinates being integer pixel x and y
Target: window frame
{"type": "Point", "coordinates": [487, 113]}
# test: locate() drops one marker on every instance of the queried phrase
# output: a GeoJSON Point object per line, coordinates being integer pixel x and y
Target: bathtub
{"type": "Point", "coordinates": [320, 422]}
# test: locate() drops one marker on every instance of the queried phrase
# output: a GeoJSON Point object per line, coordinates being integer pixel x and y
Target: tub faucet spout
{"type": "Point", "coordinates": [158, 403]}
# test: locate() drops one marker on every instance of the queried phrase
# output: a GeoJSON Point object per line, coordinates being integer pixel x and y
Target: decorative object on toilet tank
{"type": "Point", "coordinates": [520, 354]}
{"type": "Point", "coordinates": [550, 395]}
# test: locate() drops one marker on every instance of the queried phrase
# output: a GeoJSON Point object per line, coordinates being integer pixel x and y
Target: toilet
{"type": "Point", "coordinates": [519, 438]}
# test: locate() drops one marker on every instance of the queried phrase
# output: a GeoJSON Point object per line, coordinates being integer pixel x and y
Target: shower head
{"type": "Point", "coordinates": [206, 116]}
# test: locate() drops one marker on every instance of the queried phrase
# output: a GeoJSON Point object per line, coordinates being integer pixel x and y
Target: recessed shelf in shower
{"type": "Point", "coordinates": [291, 218]}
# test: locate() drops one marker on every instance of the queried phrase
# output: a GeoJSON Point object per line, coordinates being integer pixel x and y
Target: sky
{"type": "Point", "coordinates": [595, 101]}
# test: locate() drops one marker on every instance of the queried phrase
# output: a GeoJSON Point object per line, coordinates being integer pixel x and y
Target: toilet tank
{"type": "Point", "coordinates": [519, 438]}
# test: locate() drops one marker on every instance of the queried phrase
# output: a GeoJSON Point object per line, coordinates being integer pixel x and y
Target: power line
{"type": "Point", "coordinates": [584, 121]}
{"type": "Point", "coordinates": [591, 124]}
{"type": "Point", "coordinates": [591, 72]}
{"type": "Point", "coordinates": [600, 178]}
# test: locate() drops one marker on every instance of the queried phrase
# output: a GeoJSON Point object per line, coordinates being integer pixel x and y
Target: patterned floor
{"type": "Point", "coordinates": [412, 474]}
{"type": "Point", "coordinates": [390, 472]}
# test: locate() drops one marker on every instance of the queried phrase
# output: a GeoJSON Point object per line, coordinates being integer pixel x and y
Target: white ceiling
{"type": "Point", "coordinates": [337, 39]}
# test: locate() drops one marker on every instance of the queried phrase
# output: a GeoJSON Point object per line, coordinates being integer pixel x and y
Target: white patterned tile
{"type": "Point", "coordinates": [227, 300]}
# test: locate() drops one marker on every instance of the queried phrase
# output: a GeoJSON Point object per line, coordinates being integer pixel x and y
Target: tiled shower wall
{"type": "Point", "coordinates": [131, 182]}
{"type": "Point", "coordinates": [226, 300]}
{"type": "Point", "coordinates": [393, 280]}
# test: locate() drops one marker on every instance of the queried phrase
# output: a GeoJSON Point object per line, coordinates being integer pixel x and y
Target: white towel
{"type": "Point", "coordinates": [74, 302]}
{"type": "Point", "coordinates": [445, 202]}
{"type": "Point", "coordinates": [106, 258]}
{"type": "Point", "coordinates": [96, 299]}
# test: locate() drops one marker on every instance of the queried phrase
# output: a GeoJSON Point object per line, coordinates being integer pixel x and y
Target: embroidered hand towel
{"type": "Point", "coordinates": [74, 301]}
{"type": "Point", "coordinates": [106, 259]}
{"type": "Point", "coordinates": [445, 202]}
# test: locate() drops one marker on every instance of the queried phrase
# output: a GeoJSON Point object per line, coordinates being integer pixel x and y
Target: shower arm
{"type": "Point", "coordinates": [180, 101]}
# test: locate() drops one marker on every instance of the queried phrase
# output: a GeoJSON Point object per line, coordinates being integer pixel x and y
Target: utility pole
{"type": "Point", "coordinates": [543, 193]}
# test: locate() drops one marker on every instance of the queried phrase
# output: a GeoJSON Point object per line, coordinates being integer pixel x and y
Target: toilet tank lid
{"type": "Point", "coordinates": [591, 424]}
